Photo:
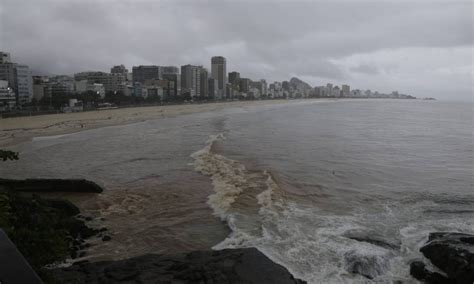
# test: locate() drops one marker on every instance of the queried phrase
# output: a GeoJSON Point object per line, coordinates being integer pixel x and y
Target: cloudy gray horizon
{"type": "Point", "coordinates": [423, 48]}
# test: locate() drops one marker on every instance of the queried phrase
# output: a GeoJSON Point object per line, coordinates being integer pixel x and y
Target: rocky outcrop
{"type": "Point", "coordinates": [44, 230]}
{"type": "Point", "coordinates": [419, 271]}
{"type": "Point", "coordinates": [453, 253]}
{"type": "Point", "coordinates": [51, 185]}
{"type": "Point", "coordinates": [225, 266]}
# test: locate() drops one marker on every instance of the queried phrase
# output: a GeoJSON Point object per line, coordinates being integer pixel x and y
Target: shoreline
{"type": "Point", "coordinates": [18, 130]}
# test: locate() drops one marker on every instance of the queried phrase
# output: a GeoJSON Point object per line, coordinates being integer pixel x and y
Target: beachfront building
{"type": "Point", "coordinates": [86, 86]}
{"type": "Point", "coordinates": [212, 87]}
{"type": "Point", "coordinates": [204, 84]}
{"type": "Point", "coordinates": [7, 96]}
{"type": "Point", "coordinates": [175, 82]}
{"type": "Point", "coordinates": [61, 85]}
{"type": "Point", "coordinates": [234, 78]}
{"type": "Point", "coordinates": [244, 85]}
{"type": "Point", "coordinates": [112, 82]}
{"type": "Point", "coordinates": [24, 84]}
{"type": "Point", "coordinates": [41, 88]}
{"type": "Point", "coordinates": [275, 90]}
{"type": "Point", "coordinates": [163, 88]}
{"type": "Point", "coordinates": [18, 77]}
{"type": "Point", "coordinates": [119, 69]}
{"type": "Point", "coordinates": [346, 90]}
{"type": "Point", "coordinates": [191, 80]}
{"type": "Point", "coordinates": [260, 86]}
{"type": "Point", "coordinates": [146, 72]}
{"type": "Point", "coordinates": [219, 72]}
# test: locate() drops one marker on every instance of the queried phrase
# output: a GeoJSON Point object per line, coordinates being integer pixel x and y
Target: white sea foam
{"type": "Point", "coordinates": [226, 175]}
{"type": "Point", "coordinates": [310, 242]}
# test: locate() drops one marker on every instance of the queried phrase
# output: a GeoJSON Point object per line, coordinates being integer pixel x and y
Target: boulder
{"type": "Point", "coordinates": [453, 253]}
{"type": "Point", "coordinates": [51, 185]}
{"type": "Point", "coordinates": [225, 266]}
{"type": "Point", "coordinates": [418, 270]}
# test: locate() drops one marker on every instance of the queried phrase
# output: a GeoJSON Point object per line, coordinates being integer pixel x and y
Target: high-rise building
{"type": "Point", "coordinates": [24, 84]}
{"type": "Point", "coordinates": [329, 89]}
{"type": "Point", "coordinates": [346, 90]}
{"type": "Point", "coordinates": [191, 80]}
{"type": "Point", "coordinates": [7, 73]}
{"type": "Point", "coordinates": [119, 69]}
{"type": "Point", "coordinates": [244, 85]}
{"type": "Point", "coordinates": [7, 96]}
{"type": "Point", "coordinates": [146, 72]}
{"type": "Point", "coordinates": [212, 87]}
{"type": "Point", "coordinates": [175, 90]}
{"type": "Point", "coordinates": [234, 77]}
{"type": "Point", "coordinates": [219, 71]}
{"type": "Point", "coordinates": [204, 76]}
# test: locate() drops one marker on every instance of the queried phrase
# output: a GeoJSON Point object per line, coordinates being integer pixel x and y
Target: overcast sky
{"type": "Point", "coordinates": [424, 48]}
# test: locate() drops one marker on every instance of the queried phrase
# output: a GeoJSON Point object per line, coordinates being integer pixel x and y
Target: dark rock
{"type": "Point", "coordinates": [453, 253]}
{"type": "Point", "coordinates": [51, 185]}
{"type": "Point", "coordinates": [78, 229]}
{"type": "Point", "coordinates": [106, 238]}
{"type": "Point", "coordinates": [65, 206]}
{"type": "Point", "coordinates": [225, 266]}
{"type": "Point", "coordinates": [418, 270]}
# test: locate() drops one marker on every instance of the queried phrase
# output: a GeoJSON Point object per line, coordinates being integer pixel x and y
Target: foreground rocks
{"type": "Point", "coordinates": [51, 185]}
{"type": "Point", "coordinates": [226, 266]}
{"type": "Point", "coordinates": [44, 230]}
{"type": "Point", "coordinates": [453, 253]}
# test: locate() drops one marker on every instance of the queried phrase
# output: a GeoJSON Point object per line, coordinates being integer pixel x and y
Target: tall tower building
{"type": "Point", "coordinates": [24, 83]}
{"type": "Point", "coordinates": [204, 82]}
{"type": "Point", "coordinates": [346, 90]}
{"type": "Point", "coordinates": [219, 71]}
{"type": "Point", "coordinates": [191, 80]}
{"type": "Point", "coordinates": [329, 89]}
{"type": "Point", "coordinates": [234, 77]}
{"type": "Point", "coordinates": [19, 78]}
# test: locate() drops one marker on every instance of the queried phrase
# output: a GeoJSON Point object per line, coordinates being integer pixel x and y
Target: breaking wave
{"type": "Point", "coordinates": [373, 242]}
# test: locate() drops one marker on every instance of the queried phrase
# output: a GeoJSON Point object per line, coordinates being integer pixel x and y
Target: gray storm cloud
{"type": "Point", "coordinates": [377, 45]}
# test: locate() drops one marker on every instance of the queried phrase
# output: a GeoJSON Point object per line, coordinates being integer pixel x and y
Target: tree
{"type": "Point", "coordinates": [8, 155]}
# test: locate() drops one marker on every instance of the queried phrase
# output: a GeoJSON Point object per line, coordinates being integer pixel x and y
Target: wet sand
{"type": "Point", "coordinates": [20, 129]}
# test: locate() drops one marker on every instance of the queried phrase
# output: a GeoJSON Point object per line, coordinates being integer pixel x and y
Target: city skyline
{"type": "Point", "coordinates": [423, 48]}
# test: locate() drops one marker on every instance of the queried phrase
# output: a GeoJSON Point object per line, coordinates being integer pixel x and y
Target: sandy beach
{"type": "Point", "coordinates": [21, 129]}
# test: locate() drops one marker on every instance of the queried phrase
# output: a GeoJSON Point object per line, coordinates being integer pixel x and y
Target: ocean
{"type": "Point", "coordinates": [325, 188]}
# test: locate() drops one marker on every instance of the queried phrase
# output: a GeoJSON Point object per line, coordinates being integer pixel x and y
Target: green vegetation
{"type": "Point", "coordinates": [45, 231]}
{"type": "Point", "coordinates": [36, 228]}
{"type": "Point", "coordinates": [8, 155]}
